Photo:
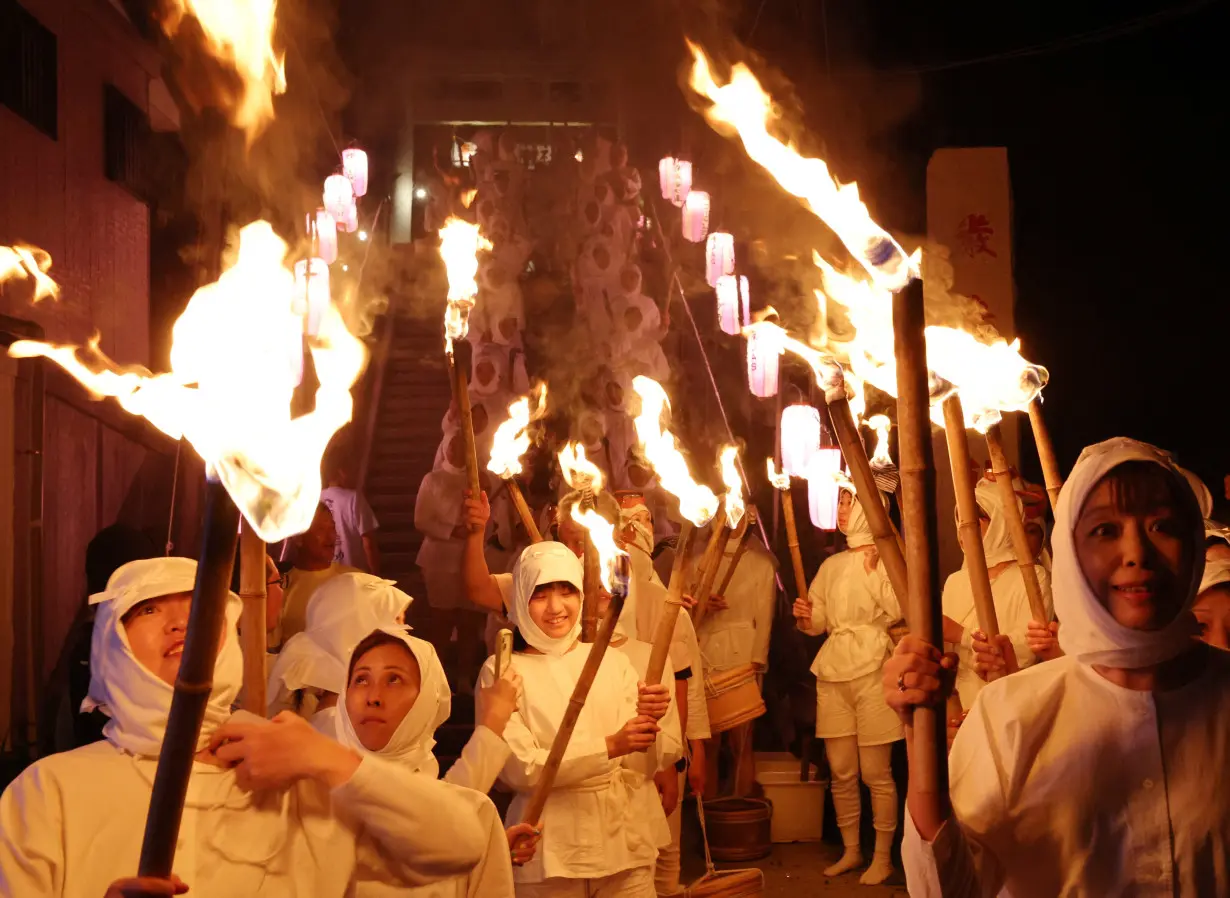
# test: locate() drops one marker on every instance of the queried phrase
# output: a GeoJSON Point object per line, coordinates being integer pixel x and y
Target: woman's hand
{"type": "Point", "coordinates": [637, 735]}
{"type": "Point", "coordinates": [143, 886]}
{"type": "Point", "coordinates": [917, 674]}
{"type": "Point", "coordinates": [954, 724]}
{"type": "Point", "coordinates": [475, 513]}
{"type": "Point", "coordinates": [1043, 640]}
{"type": "Point", "coordinates": [717, 603]}
{"type": "Point", "coordinates": [994, 656]}
{"type": "Point", "coordinates": [802, 613]}
{"type": "Point", "coordinates": [275, 754]}
{"type": "Point", "coordinates": [652, 701]}
{"type": "Point", "coordinates": [497, 702]}
{"type": "Point", "coordinates": [523, 841]}
{"type": "Point", "coordinates": [667, 782]}
{"type": "Point", "coordinates": [689, 602]}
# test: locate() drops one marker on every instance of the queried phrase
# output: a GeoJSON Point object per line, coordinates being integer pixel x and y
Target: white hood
{"type": "Point", "coordinates": [545, 562]}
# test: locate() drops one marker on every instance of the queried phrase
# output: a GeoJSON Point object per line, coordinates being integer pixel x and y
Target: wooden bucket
{"type": "Point", "coordinates": [739, 828]}
{"type": "Point", "coordinates": [728, 884]}
{"type": "Point", "coordinates": [733, 697]}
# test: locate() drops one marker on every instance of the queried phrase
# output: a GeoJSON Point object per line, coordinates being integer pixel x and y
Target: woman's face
{"type": "Point", "coordinates": [1136, 563]}
{"type": "Point", "coordinates": [845, 502]}
{"type": "Point", "coordinates": [382, 690]}
{"type": "Point", "coordinates": [1212, 610]}
{"type": "Point", "coordinates": [554, 608]}
{"type": "Point", "coordinates": [155, 630]}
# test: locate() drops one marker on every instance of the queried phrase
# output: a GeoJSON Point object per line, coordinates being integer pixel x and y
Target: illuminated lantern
{"type": "Point", "coordinates": [764, 350]}
{"type": "Point", "coordinates": [326, 234]}
{"type": "Point", "coordinates": [666, 176]}
{"type": "Point", "coordinates": [311, 296]}
{"type": "Point", "coordinates": [675, 179]}
{"type": "Point", "coordinates": [350, 221]}
{"type": "Point", "coordinates": [338, 196]}
{"type": "Point", "coordinates": [354, 165]}
{"type": "Point", "coordinates": [695, 216]}
{"type": "Point", "coordinates": [728, 290]}
{"type": "Point", "coordinates": [800, 438]}
{"type": "Point", "coordinates": [822, 488]}
{"type": "Point", "coordinates": [719, 256]}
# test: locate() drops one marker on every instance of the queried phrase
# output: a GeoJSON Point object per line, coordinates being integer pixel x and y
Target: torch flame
{"type": "Point", "coordinates": [696, 502]}
{"type": "Point", "coordinates": [460, 243]}
{"type": "Point", "coordinates": [602, 535]}
{"type": "Point", "coordinates": [579, 471]}
{"type": "Point", "coordinates": [779, 480]}
{"type": "Point", "coordinates": [881, 425]}
{"type": "Point", "coordinates": [734, 487]}
{"type": "Point", "coordinates": [28, 262]}
{"type": "Point", "coordinates": [512, 437]}
{"type": "Point", "coordinates": [230, 395]}
{"type": "Point", "coordinates": [240, 33]}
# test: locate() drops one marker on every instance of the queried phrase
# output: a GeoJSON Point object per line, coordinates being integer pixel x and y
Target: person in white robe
{"type": "Point", "coordinates": [592, 844]}
{"type": "Point", "coordinates": [1098, 773]}
{"type": "Point", "coordinates": [1212, 608]}
{"type": "Point", "coordinates": [272, 808]}
{"type": "Point", "coordinates": [313, 565]}
{"type": "Point", "coordinates": [852, 601]}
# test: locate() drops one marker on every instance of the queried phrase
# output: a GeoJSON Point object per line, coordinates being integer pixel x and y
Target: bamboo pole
{"type": "Point", "coordinates": [704, 588]}
{"type": "Point", "coordinates": [523, 509]}
{"type": "Point", "coordinates": [745, 534]}
{"type": "Point", "coordinates": [591, 594]}
{"type": "Point", "coordinates": [665, 631]}
{"type": "Point", "coordinates": [929, 753]}
{"type": "Point", "coordinates": [559, 745]}
{"type": "Point", "coordinates": [709, 557]}
{"type": "Point", "coordinates": [886, 539]}
{"type": "Point", "coordinates": [792, 540]}
{"type": "Point", "coordinates": [253, 576]}
{"type": "Point", "coordinates": [193, 684]}
{"type": "Point", "coordinates": [967, 510]}
{"type": "Point", "coordinates": [1046, 453]}
{"type": "Point", "coordinates": [459, 362]}
{"type": "Point", "coordinates": [1002, 473]}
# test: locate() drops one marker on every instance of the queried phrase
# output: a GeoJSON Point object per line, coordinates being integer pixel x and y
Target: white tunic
{"type": "Point", "coordinates": [855, 608]}
{"type": "Point", "coordinates": [588, 830]}
{"type": "Point", "coordinates": [437, 511]}
{"type": "Point", "coordinates": [739, 634]}
{"type": "Point", "coordinates": [1063, 783]}
{"type": "Point", "coordinates": [72, 824]}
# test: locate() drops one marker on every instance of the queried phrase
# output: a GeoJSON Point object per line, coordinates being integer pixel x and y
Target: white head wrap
{"type": "Point", "coordinates": [997, 541]}
{"type": "Point", "coordinates": [857, 530]}
{"type": "Point", "coordinates": [341, 612]}
{"type": "Point", "coordinates": [135, 699]}
{"type": "Point", "coordinates": [1216, 573]}
{"type": "Point", "coordinates": [1204, 498]}
{"type": "Point", "coordinates": [545, 562]}
{"type": "Point", "coordinates": [1087, 629]}
{"type": "Point", "coordinates": [413, 740]}
{"type": "Point", "coordinates": [1215, 530]}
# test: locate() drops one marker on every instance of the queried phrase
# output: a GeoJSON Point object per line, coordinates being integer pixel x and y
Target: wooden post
{"type": "Point", "coordinates": [707, 559]}
{"type": "Point", "coordinates": [253, 576]}
{"type": "Point", "coordinates": [194, 683]}
{"type": "Point", "coordinates": [1016, 524]}
{"type": "Point", "coordinates": [705, 588]}
{"type": "Point", "coordinates": [523, 510]}
{"type": "Point", "coordinates": [929, 760]}
{"type": "Point", "coordinates": [459, 362]}
{"type": "Point", "coordinates": [967, 510]}
{"type": "Point", "coordinates": [855, 453]}
{"type": "Point", "coordinates": [665, 632]}
{"type": "Point", "coordinates": [1046, 453]}
{"type": "Point", "coordinates": [792, 540]}
{"type": "Point", "coordinates": [591, 595]}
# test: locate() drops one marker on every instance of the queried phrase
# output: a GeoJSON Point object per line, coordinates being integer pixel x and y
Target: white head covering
{"type": "Point", "coordinates": [545, 562]}
{"type": "Point", "coordinates": [997, 541]}
{"type": "Point", "coordinates": [1215, 530]}
{"type": "Point", "coordinates": [1216, 573]}
{"type": "Point", "coordinates": [341, 612]}
{"type": "Point", "coordinates": [857, 530]}
{"type": "Point", "coordinates": [413, 740]}
{"type": "Point", "coordinates": [1088, 631]}
{"type": "Point", "coordinates": [1204, 498]}
{"type": "Point", "coordinates": [135, 699]}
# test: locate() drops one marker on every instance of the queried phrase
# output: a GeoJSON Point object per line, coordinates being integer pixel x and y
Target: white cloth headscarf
{"type": "Point", "coordinates": [414, 738]}
{"type": "Point", "coordinates": [857, 529]}
{"type": "Point", "coordinates": [997, 541]}
{"type": "Point", "coordinates": [1204, 498]}
{"type": "Point", "coordinates": [1087, 629]}
{"type": "Point", "coordinates": [123, 688]}
{"type": "Point", "coordinates": [340, 613]}
{"type": "Point", "coordinates": [1216, 573]}
{"type": "Point", "coordinates": [545, 562]}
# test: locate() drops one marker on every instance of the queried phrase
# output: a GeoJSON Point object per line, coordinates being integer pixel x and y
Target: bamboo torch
{"type": "Point", "coordinates": [459, 363]}
{"type": "Point", "coordinates": [1046, 453]}
{"type": "Point", "coordinates": [742, 536]}
{"type": "Point", "coordinates": [782, 482]}
{"type": "Point", "coordinates": [511, 441]}
{"type": "Point", "coordinates": [1002, 473]}
{"type": "Point", "coordinates": [253, 576]}
{"type": "Point", "coordinates": [665, 632]}
{"type": "Point", "coordinates": [735, 509]}
{"type": "Point", "coordinates": [586, 480]}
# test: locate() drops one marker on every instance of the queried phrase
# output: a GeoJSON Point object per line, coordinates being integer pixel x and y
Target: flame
{"type": "Point", "coordinates": [696, 502]}
{"type": "Point", "coordinates": [780, 481]}
{"type": "Point", "coordinates": [734, 487]}
{"type": "Point", "coordinates": [460, 243]}
{"type": "Point", "coordinates": [229, 394]}
{"type": "Point", "coordinates": [579, 471]}
{"type": "Point", "coordinates": [467, 197]}
{"type": "Point", "coordinates": [240, 33]}
{"type": "Point", "coordinates": [602, 535]}
{"type": "Point", "coordinates": [742, 104]}
{"type": "Point", "coordinates": [29, 262]}
{"type": "Point", "coordinates": [512, 437]}
{"type": "Point", "coordinates": [991, 377]}
{"type": "Point", "coordinates": [881, 425]}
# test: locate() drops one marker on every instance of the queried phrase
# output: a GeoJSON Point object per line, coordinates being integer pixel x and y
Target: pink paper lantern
{"type": "Point", "coordinates": [822, 488]}
{"type": "Point", "coordinates": [719, 256]}
{"type": "Point", "coordinates": [666, 176]}
{"type": "Point", "coordinates": [764, 350]}
{"type": "Point", "coordinates": [675, 179]}
{"type": "Point", "coordinates": [801, 430]}
{"type": "Point", "coordinates": [354, 166]}
{"type": "Point", "coordinates": [729, 289]}
{"type": "Point", "coordinates": [311, 292]}
{"type": "Point", "coordinates": [338, 196]}
{"type": "Point", "coordinates": [325, 233]}
{"type": "Point", "coordinates": [695, 216]}
{"type": "Point", "coordinates": [350, 221]}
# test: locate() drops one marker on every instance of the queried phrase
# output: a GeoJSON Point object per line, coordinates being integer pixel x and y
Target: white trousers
{"type": "Point", "coordinates": [634, 883]}
{"type": "Point", "coordinates": [666, 871]}
{"type": "Point", "coordinates": [847, 761]}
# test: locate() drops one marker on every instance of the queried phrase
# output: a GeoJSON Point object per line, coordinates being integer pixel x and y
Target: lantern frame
{"type": "Point", "coordinates": [719, 256]}
{"type": "Point", "coordinates": [694, 216]}
{"type": "Point", "coordinates": [802, 430]}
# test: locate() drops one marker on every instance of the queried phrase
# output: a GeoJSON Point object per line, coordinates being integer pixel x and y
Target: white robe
{"type": "Point", "coordinates": [740, 634]}
{"type": "Point", "coordinates": [855, 608]}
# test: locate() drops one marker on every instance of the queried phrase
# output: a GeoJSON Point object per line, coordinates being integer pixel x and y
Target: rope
{"type": "Point", "coordinates": [179, 447]}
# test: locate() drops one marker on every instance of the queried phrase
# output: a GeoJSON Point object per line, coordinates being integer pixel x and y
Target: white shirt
{"type": "Point", "coordinates": [1063, 783]}
{"type": "Point", "coordinates": [72, 823]}
{"type": "Point", "coordinates": [855, 608]}
{"type": "Point", "coordinates": [353, 519]}
{"type": "Point", "coordinates": [437, 511]}
{"type": "Point", "coordinates": [740, 634]}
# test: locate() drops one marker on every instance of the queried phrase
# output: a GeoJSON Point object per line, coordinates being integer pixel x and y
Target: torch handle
{"type": "Point", "coordinates": [1016, 524]}
{"type": "Point", "coordinates": [792, 540]}
{"type": "Point", "coordinates": [559, 745]}
{"type": "Point", "coordinates": [461, 393]}
{"type": "Point", "coordinates": [1046, 453]}
{"type": "Point", "coordinates": [592, 583]}
{"type": "Point", "coordinates": [967, 511]}
{"type": "Point", "coordinates": [886, 539]}
{"type": "Point", "coordinates": [705, 588]}
{"type": "Point", "coordinates": [523, 510]}
{"type": "Point", "coordinates": [193, 685]}
{"type": "Point", "coordinates": [253, 576]}
{"type": "Point", "coordinates": [744, 535]}
{"type": "Point", "coordinates": [708, 558]}
{"type": "Point", "coordinates": [665, 631]}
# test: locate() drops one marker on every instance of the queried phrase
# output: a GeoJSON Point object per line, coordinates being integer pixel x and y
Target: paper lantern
{"type": "Point", "coordinates": [338, 196]}
{"type": "Point", "coordinates": [354, 166]}
{"type": "Point", "coordinates": [719, 256]}
{"type": "Point", "coordinates": [729, 290]}
{"type": "Point", "coordinates": [666, 176]}
{"type": "Point", "coordinates": [325, 233]}
{"type": "Point", "coordinates": [764, 350]}
{"type": "Point", "coordinates": [350, 221]}
{"type": "Point", "coordinates": [801, 431]}
{"type": "Point", "coordinates": [675, 179]}
{"type": "Point", "coordinates": [695, 216]}
{"type": "Point", "coordinates": [822, 488]}
{"type": "Point", "coordinates": [311, 292]}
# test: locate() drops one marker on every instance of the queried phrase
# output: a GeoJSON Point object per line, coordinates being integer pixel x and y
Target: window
{"type": "Point", "coordinates": [28, 68]}
{"type": "Point", "coordinates": [127, 141]}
